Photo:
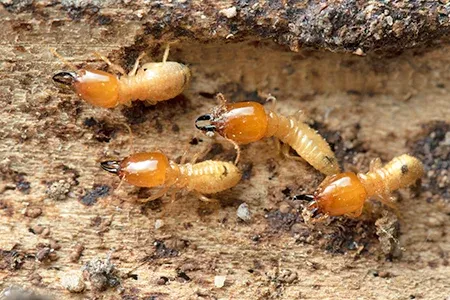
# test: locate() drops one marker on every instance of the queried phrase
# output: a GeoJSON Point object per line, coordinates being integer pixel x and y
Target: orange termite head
{"type": "Point", "coordinates": [242, 122]}
{"type": "Point", "coordinates": [340, 194]}
{"type": "Point", "coordinates": [96, 87]}
{"type": "Point", "coordinates": [146, 169]}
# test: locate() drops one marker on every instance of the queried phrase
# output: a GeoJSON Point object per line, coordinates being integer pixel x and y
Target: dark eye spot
{"type": "Point", "coordinates": [404, 169]}
{"type": "Point", "coordinates": [225, 171]}
{"type": "Point", "coordinates": [145, 69]}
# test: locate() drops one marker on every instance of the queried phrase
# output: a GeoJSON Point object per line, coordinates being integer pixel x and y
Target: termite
{"type": "Point", "coordinates": [247, 122]}
{"type": "Point", "coordinates": [346, 193]}
{"type": "Point", "coordinates": [153, 169]}
{"type": "Point", "coordinates": [152, 82]}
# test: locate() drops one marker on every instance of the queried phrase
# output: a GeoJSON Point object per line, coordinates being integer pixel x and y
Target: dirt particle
{"type": "Point", "coordinates": [6, 207]}
{"type": "Point", "coordinates": [229, 13]}
{"type": "Point", "coordinates": [285, 208]}
{"type": "Point", "coordinates": [33, 212]}
{"type": "Point", "coordinates": [22, 185]}
{"type": "Point", "coordinates": [43, 254]}
{"type": "Point", "coordinates": [36, 229]}
{"type": "Point", "coordinates": [163, 280]}
{"type": "Point", "coordinates": [35, 279]}
{"type": "Point", "coordinates": [104, 20]}
{"type": "Point", "coordinates": [188, 267]}
{"type": "Point", "coordinates": [183, 277]}
{"type": "Point", "coordinates": [219, 281]}
{"type": "Point", "coordinates": [168, 248]}
{"type": "Point", "coordinates": [58, 190]}
{"type": "Point", "coordinates": [246, 170]}
{"type": "Point", "coordinates": [272, 168]}
{"type": "Point", "coordinates": [54, 245]}
{"type": "Point", "coordinates": [18, 293]}
{"type": "Point", "coordinates": [73, 282]}
{"type": "Point", "coordinates": [385, 274]}
{"type": "Point", "coordinates": [45, 232]}
{"type": "Point", "coordinates": [92, 196]}
{"type": "Point", "coordinates": [279, 221]}
{"type": "Point", "coordinates": [195, 141]}
{"type": "Point", "coordinates": [287, 276]}
{"type": "Point", "coordinates": [158, 224]}
{"type": "Point", "coordinates": [11, 259]}
{"type": "Point", "coordinates": [388, 231]}
{"type": "Point", "coordinates": [103, 131]}
{"type": "Point", "coordinates": [175, 128]}
{"type": "Point", "coordinates": [302, 233]}
{"type": "Point", "coordinates": [433, 149]}
{"type": "Point", "coordinates": [102, 274]}
{"type": "Point", "coordinates": [243, 212]}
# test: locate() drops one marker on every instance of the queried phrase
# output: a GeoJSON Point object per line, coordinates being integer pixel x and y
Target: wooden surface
{"type": "Point", "coordinates": [379, 105]}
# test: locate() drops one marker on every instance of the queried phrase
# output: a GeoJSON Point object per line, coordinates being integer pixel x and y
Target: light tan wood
{"type": "Point", "coordinates": [45, 138]}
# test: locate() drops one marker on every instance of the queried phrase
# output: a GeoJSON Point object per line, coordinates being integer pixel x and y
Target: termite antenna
{"type": "Point", "coordinates": [65, 61]}
{"type": "Point", "coordinates": [119, 185]}
{"type": "Point", "coordinates": [238, 150]}
{"type": "Point", "coordinates": [166, 53]}
{"type": "Point", "coordinates": [220, 97]}
{"type": "Point", "coordinates": [112, 166]}
{"type": "Point", "coordinates": [130, 132]}
{"type": "Point", "coordinates": [113, 66]}
{"type": "Point", "coordinates": [66, 78]}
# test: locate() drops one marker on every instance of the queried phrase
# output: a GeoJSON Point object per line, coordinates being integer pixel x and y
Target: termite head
{"type": "Point", "coordinates": [146, 169]}
{"type": "Point", "coordinates": [340, 194]}
{"type": "Point", "coordinates": [242, 122]}
{"type": "Point", "coordinates": [96, 87]}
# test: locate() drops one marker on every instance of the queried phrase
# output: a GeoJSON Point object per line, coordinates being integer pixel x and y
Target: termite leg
{"type": "Point", "coordinates": [320, 218]}
{"type": "Point", "coordinates": [375, 164]}
{"type": "Point", "coordinates": [184, 156]}
{"type": "Point", "coordinates": [159, 194]}
{"type": "Point", "coordinates": [273, 100]}
{"type": "Point", "coordinates": [204, 198]}
{"type": "Point", "coordinates": [200, 154]}
{"type": "Point", "coordinates": [115, 67]}
{"type": "Point", "coordinates": [300, 116]}
{"type": "Point", "coordinates": [387, 200]}
{"type": "Point", "coordinates": [285, 152]}
{"type": "Point", "coordinates": [173, 194]}
{"type": "Point", "coordinates": [150, 102]}
{"type": "Point", "coordinates": [136, 64]}
{"type": "Point", "coordinates": [166, 53]}
{"type": "Point", "coordinates": [130, 133]}
{"type": "Point", "coordinates": [221, 98]}
{"type": "Point", "coordinates": [120, 184]}
{"type": "Point", "coordinates": [355, 214]}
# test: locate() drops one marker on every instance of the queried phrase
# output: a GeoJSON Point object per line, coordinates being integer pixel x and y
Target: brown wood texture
{"type": "Point", "coordinates": [56, 200]}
